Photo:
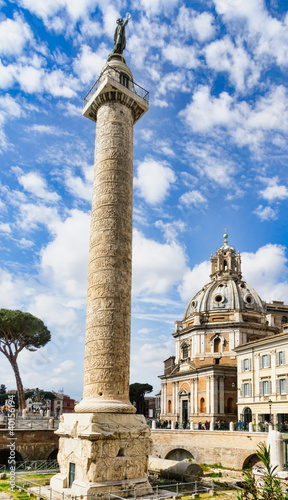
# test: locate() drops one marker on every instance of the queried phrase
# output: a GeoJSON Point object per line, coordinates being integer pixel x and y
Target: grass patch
{"type": "Point", "coordinates": [208, 467]}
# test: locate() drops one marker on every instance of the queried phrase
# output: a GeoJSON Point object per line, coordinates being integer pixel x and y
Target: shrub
{"type": "Point", "coordinates": [270, 487]}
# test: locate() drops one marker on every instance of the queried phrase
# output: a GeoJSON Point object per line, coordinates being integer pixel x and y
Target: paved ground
{"type": "Point", "coordinates": [4, 496]}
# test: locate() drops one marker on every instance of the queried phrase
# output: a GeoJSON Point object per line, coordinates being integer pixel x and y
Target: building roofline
{"type": "Point", "coordinates": [265, 340]}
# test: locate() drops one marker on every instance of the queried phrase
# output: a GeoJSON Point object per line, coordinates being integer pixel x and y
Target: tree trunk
{"type": "Point", "coordinates": [20, 390]}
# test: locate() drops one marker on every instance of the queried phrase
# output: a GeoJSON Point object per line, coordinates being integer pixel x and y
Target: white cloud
{"type": "Point", "coordinates": [204, 26]}
{"type": "Point", "coordinates": [70, 109]}
{"type": "Point", "coordinates": [274, 191]}
{"type": "Point", "coordinates": [14, 34]}
{"type": "Point", "coordinates": [153, 7]}
{"type": "Point", "coordinates": [149, 357]}
{"type": "Point", "coordinates": [5, 228]}
{"type": "Point", "coordinates": [65, 366]}
{"type": "Point", "coordinates": [266, 213]}
{"type": "Point", "coordinates": [265, 269]}
{"type": "Point", "coordinates": [195, 25]}
{"type": "Point", "coordinates": [59, 84]}
{"type": "Point", "coordinates": [206, 111]}
{"type": "Point", "coordinates": [6, 75]}
{"type": "Point", "coordinates": [14, 291]}
{"type": "Point", "coordinates": [223, 55]}
{"type": "Point", "coordinates": [9, 107]}
{"type": "Point", "coordinates": [192, 198]}
{"type": "Point", "coordinates": [54, 309]}
{"type": "Point", "coordinates": [78, 187]}
{"type": "Point", "coordinates": [171, 229]}
{"type": "Point", "coordinates": [156, 267]}
{"type": "Point", "coordinates": [211, 161]}
{"type": "Point", "coordinates": [37, 185]}
{"type": "Point", "coordinates": [64, 261]}
{"type": "Point", "coordinates": [33, 78]}
{"type": "Point", "coordinates": [30, 78]}
{"type": "Point", "coordinates": [174, 82]}
{"type": "Point", "coordinates": [49, 8]}
{"type": "Point", "coordinates": [24, 243]}
{"type": "Point", "coordinates": [182, 56]}
{"type": "Point", "coordinates": [153, 181]}
{"type": "Point", "coordinates": [31, 216]}
{"type": "Point", "coordinates": [46, 129]}
{"type": "Point", "coordinates": [88, 64]}
{"type": "Point", "coordinates": [193, 281]}
{"type": "Point", "coordinates": [246, 123]}
{"type": "Point", "coordinates": [147, 34]}
{"type": "Point", "coordinates": [268, 34]}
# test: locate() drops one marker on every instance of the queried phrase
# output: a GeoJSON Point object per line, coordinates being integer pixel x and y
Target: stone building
{"type": "Point", "coordinates": [263, 380]}
{"type": "Point", "coordinates": [200, 382]}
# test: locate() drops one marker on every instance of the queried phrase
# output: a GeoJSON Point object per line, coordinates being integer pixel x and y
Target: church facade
{"type": "Point", "coordinates": [200, 381]}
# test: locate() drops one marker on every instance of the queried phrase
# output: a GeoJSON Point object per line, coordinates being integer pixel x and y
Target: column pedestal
{"type": "Point", "coordinates": [108, 452]}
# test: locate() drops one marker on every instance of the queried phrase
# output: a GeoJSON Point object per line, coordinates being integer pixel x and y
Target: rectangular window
{"type": "Point", "coordinates": [282, 386]}
{"type": "Point", "coordinates": [265, 388]}
{"type": "Point", "coordinates": [246, 390]}
{"type": "Point", "coordinates": [265, 361]}
{"type": "Point", "coordinates": [280, 358]}
{"type": "Point", "coordinates": [246, 365]}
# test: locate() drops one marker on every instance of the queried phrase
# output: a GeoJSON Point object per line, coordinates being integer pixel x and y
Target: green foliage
{"type": "Point", "coordinates": [43, 395]}
{"type": "Point", "coordinates": [22, 329]}
{"type": "Point", "coordinates": [136, 395]}
{"type": "Point", "coordinates": [3, 389]}
{"type": "Point", "coordinates": [269, 487]}
{"type": "Point", "coordinates": [4, 397]}
{"type": "Point", "coordinates": [19, 330]}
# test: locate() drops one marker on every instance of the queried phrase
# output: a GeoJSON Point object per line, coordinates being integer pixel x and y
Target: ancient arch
{"type": "Point", "coordinates": [250, 461]}
{"type": "Point", "coordinates": [178, 454]}
{"type": "Point", "coordinates": [5, 454]}
{"type": "Point", "coordinates": [53, 455]}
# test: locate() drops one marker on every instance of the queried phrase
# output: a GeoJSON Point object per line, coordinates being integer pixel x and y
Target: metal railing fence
{"type": "Point", "coordinates": [160, 491]}
{"type": "Point", "coordinates": [33, 466]}
{"type": "Point", "coordinates": [118, 77]}
{"type": "Point", "coordinates": [31, 423]}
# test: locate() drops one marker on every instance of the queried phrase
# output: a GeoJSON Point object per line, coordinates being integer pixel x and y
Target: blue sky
{"type": "Point", "coordinates": [210, 153]}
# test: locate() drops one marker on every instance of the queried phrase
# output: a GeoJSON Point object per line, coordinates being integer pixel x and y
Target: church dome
{"type": "Point", "coordinates": [227, 291]}
{"type": "Point", "coordinates": [224, 295]}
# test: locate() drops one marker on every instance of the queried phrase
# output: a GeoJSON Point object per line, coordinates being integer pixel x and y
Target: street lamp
{"type": "Point", "coordinates": [270, 406]}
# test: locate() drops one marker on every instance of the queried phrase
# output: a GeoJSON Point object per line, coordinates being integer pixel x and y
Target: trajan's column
{"type": "Point", "coordinates": [104, 446]}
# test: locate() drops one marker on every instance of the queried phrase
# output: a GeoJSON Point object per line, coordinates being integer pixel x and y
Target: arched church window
{"type": "Point", "coordinates": [169, 406]}
{"type": "Point", "coordinates": [217, 344]}
{"type": "Point", "coordinates": [185, 351]}
{"type": "Point", "coordinates": [202, 405]}
{"type": "Point", "coordinates": [225, 265]}
{"type": "Point", "coordinates": [284, 320]}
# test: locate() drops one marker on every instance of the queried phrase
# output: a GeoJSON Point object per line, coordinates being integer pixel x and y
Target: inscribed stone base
{"type": "Point", "coordinates": [103, 452]}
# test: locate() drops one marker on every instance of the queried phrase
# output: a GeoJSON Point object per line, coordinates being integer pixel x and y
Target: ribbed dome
{"type": "Point", "coordinates": [224, 295]}
{"type": "Point", "coordinates": [227, 290]}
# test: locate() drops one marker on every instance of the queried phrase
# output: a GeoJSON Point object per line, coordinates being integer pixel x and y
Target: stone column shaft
{"type": "Point", "coordinates": [107, 348]}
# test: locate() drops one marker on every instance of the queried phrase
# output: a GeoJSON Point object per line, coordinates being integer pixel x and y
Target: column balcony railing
{"type": "Point", "coordinates": [121, 79]}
